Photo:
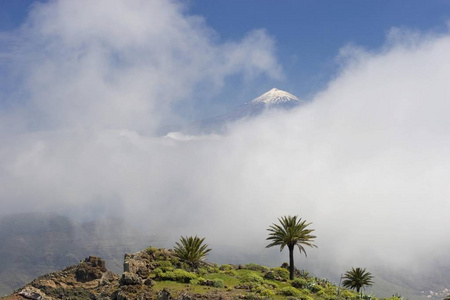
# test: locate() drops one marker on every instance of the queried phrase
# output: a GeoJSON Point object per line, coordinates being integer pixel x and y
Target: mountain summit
{"type": "Point", "coordinates": [275, 96]}
{"type": "Point", "coordinates": [273, 99]}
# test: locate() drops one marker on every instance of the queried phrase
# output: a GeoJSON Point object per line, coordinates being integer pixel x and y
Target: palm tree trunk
{"type": "Point", "coordinates": [291, 262]}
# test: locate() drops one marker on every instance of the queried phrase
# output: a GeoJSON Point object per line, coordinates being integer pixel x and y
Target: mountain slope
{"type": "Point", "coordinates": [273, 99]}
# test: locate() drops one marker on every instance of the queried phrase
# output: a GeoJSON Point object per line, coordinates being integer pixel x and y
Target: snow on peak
{"type": "Point", "coordinates": [275, 96]}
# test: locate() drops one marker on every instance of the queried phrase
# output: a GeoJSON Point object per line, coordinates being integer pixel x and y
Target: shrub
{"type": "Point", "coordinates": [347, 294]}
{"type": "Point", "coordinates": [250, 277]}
{"type": "Point", "coordinates": [267, 293]}
{"type": "Point", "coordinates": [250, 296]}
{"type": "Point", "coordinates": [280, 273]}
{"type": "Point", "coordinates": [256, 267]}
{"type": "Point", "coordinates": [269, 284]}
{"type": "Point", "coordinates": [325, 295]}
{"type": "Point", "coordinates": [226, 267]}
{"type": "Point", "coordinates": [303, 273]}
{"type": "Point", "coordinates": [169, 275]}
{"type": "Point", "coordinates": [212, 269]}
{"type": "Point", "coordinates": [198, 281]}
{"type": "Point", "coordinates": [314, 287]}
{"type": "Point", "coordinates": [289, 291]}
{"type": "Point", "coordinates": [202, 271]}
{"type": "Point", "coordinates": [270, 275]}
{"type": "Point", "coordinates": [184, 276]}
{"type": "Point", "coordinates": [216, 282]}
{"type": "Point", "coordinates": [165, 265]}
{"type": "Point", "coordinates": [399, 297]}
{"type": "Point", "coordinates": [299, 283]}
{"type": "Point", "coordinates": [150, 250]}
{"type": "Point", "coordinates": [157, 272]}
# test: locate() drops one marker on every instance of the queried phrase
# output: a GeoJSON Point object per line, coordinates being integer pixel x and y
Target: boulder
{"type": "Point", "coordinates": [130, 279]}
{"type": "Point", "coordinates": [164, 295]}
{"type": "Point", "coordinates": [30, 294]}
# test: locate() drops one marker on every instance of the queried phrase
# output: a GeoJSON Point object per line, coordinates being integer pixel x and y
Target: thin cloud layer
{"type": "Point", "coordinates": [367, 161]}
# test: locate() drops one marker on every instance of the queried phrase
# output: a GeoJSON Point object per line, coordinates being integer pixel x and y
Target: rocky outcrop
{"type": "Point", "coordinates": [130, 279]}
{"type": "Point", "coordinates": [91, 280]}
{"type": "Point", "coordinates": [83, 281]}
{"type": "Point", "coordinates": [91, 269]}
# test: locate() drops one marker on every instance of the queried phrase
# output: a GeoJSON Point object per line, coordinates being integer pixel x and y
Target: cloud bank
{"type": "Point", "coordinates": [367, 161]}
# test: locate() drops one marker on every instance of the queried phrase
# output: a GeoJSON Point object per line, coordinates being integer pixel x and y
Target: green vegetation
{"type": "Point", "coordinates": [292, 232]}
{"type": "Point", "coordinates": [249, 281]}
{"type": "Point", "coordinates": [191, 250]}
{"type": "Point", "coordinates": [357, 279]}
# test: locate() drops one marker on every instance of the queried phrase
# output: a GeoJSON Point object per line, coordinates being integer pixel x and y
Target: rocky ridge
{"type": "Point", "coordinates": [91, 280]}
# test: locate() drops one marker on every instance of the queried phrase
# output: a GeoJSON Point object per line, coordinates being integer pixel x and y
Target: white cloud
{"type": "Point", "coordinates": [116, 64]}
{"type": "Point", "coordinates": [367, 161]}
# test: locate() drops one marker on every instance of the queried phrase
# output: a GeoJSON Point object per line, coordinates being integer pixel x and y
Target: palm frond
{"type": "Point", "coordinates": [191, 250]}
{"type": "Point", "coordinates": [290, 232]}
{"type": "Point", "coordinates": [357, 279]}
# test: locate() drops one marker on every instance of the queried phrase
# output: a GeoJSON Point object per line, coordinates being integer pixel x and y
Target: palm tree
{"type": "Point", "coordinates": [357, 279]}
{"type": "Point", "coordinates": [191, 250]}
{"type": "Point", "coordinates": [291, 232]}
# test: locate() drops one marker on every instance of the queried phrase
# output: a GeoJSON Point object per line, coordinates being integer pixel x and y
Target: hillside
{"type": "Point", "coordinates": [34, 244]}
{"type": "Point", "coordinates": [159, 274]}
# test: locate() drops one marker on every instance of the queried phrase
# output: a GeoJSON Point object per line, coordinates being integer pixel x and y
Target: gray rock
{"type": "Point", "coordinates": [130, 279]}
{"type": "Point", "coordinates": [29, 294]}
{"type": "Point", "coordinates": [164, 295]}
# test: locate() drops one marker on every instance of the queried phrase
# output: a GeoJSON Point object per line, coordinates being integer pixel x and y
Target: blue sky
{"type": "Point", "coordinates": [308, 35]}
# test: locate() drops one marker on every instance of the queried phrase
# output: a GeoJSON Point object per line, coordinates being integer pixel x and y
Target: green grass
{"type": "Point", "coordinates": [228, 281]}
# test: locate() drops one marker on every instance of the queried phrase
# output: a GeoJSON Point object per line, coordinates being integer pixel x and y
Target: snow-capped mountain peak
{"type": "Point", "coordinates": [274, 99]}
{"type": "Point", "coordinates": [275, 96]}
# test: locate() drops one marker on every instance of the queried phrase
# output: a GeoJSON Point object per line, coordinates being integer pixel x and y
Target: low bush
{"type": "Point", "coordinates": [280, 274]}
{"type": "Point", "coordinates": [267, 293]}
{"type": "Point", "coordinates": [256, 267]}
{"type": "Point", "coordinates": [313, 287]}
{"type": "Point", "coordinates": [184, 276]}
{"type": "Point", "coordinates": [299, 283]}
{"type": "Point", "coordinates": [177, 275]}
{"type": "Point", "coordinates": [346, 294]}
{"type": "Point", "coordinates": [251, 277]}
{"type": "Point", "coordinates": [212, 269]}
{"type": "Point", "coordinates": [218, 283]}
{"type": "Point", "coordinates": [157, 272]}
{"type": "Point", "coordinates": [303, 273]}
{"type": "Point", "coordinates": [202, 271]}
{"type": "Point", "coordinates": [198, 281]}
{"type": "Point", "coordinates": [226, 267]}
{"type": "Point", "coordinates": [169, 275]}
{"type": "Point", "coordinates": [165, 265]}
{"type": "Point", "coordinates": [231, 273]}
{"type": "Point", "coordinates": [289, 291]}
{"type": "Point", "coordinates": [326, 295]}
{"type": "Point", "coordinates": [151, 250]}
